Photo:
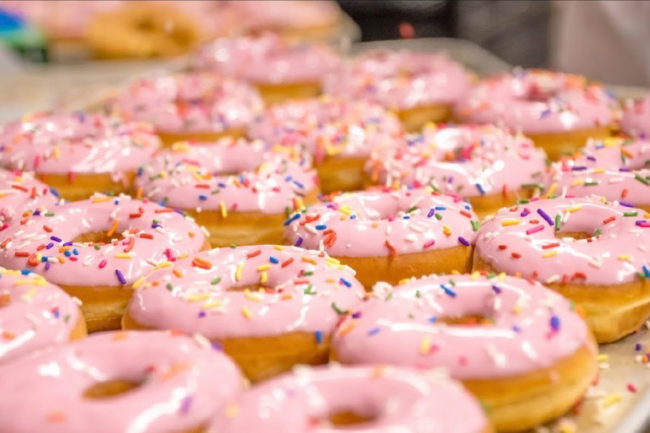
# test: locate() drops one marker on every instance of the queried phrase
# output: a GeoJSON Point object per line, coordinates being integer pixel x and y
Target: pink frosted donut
{"type": "Point", "coordinates": [179, 384]}
{"type": "Point", "coordinates": [558, 111]}
{"type": "Point", "coordinates": [97, 248]}
{"type": "Point", "coordinates": [35, 314]}
{"type": "Point", "coordinates": [339, 133]}
{"type": "Point", "coordinates": [268, 59]}
{"type": "Point", "coordinates": [401, 79]}
{"type": "Point", "coordinates": [591, 251]}
{"type": "Point", "coordinates": [636, 117]}
{"type": "Point", "coordinates": [20, 193]}
{"type": "Point", "coordinates": [405, 232]}
{"type": "Point", "coordinates": [487, 165]}
{"type": "Point", "coordinates": [616, 168]}
{"type": "Point", "coordinates": [78, 153]}
{"type": "Point", "coordinates": [493, 333]}
{"type": "Point", "coordinates": [230, 185]}
{"type": "Point", "coordinates": [283, 301]}
{"type": "Point", "coordinates": [191, 105]}
{"type": "Point", "coordinates": [391, 399]}
{"type": "Point", "coordinates": [286, 15]}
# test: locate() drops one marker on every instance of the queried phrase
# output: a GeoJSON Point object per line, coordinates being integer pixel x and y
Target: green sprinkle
{"type": "Point", "coordinates": [411, 209]}
{"type": "Point", "coordinates": [592, 183]}
{"type": "Point", "coordinates": [558, 222]}
{"type": "Point", "coordinates": [309, 290]}
{"type": "Point", "coordinates": [66, 318]}
{"type": "Point", "coordinates": [215, 281]}
{"type": "Point", "coordinates": [476, 225]}
{"type": "Point", "coordinates": [523, 201]}
{"type": "Point", "coordinates": [389, 296]}
{"type": "Point", "coordinates": [630, 214]}
{"type": "Point", "coordinates": [49, 214]}
{"type": "Point", "coordinates": [597, 232]}
{"type": "Point", "coordinates": [438, 215]}
{"type": "Point", "coordinates": [338, 310]}
{"type": "Point", "coordinates": [642, 179]}
{"type": "Point", "coordinates": [170, 287]}
{"type": "Point", "coordinates": [308, 273]}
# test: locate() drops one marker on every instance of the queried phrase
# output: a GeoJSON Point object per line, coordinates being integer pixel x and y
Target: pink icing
{"type": "Point", "coordinates": [636, 117]}
{"type": "Point", "coordinates": [34, 314]}
{"type": "Point", "coordinates": [389, 222]}
{"type": "Point", "coordinates": [401, 79]}
{"type": "Point", "coordinates": [618, 255]}
{"type": "Point", "coordinates": [191, 102]}
{"type": "Point", "coordinates": [61, 143]}
{"type": "Point", "coordinates": [265, 180]}
{"type": "Point", "coordinates": [613, 168]}
{"type": "Point", "coordinates": [286, 14]}
{"type": "Point", "coordinates": [465, 160]}
{"type": "Point", "coordinates": [398, 400]}
{"type": "Point", "coordinates": [268, 59]}
{"type": "Point", "coordinates": [183, 380]}
{"type": "Point", "coordinates": [536, 101]}
{"type": "Point", "coordinates": [328, 126]}
{"type": "Point", "coordinates": [304, 291]}
{"type": "Point", "coordinates": [151, 235]}
{"type": "Point", "coordinates": [20, 192]}
{"type": "Point", "coordinates": [530, 327]}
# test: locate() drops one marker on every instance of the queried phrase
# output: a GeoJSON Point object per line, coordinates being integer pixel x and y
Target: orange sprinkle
{"type": "Point", "coordinates": [111, 231]}
{"type": "Point", "coordinates": [201, 263]}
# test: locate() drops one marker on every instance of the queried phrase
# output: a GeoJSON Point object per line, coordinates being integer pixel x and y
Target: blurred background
{"type": "Point", "coordinates": [52, 51]}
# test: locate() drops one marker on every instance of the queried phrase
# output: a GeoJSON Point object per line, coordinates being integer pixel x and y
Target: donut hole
{"type": "Point", "coordinates": [345, 418]}
{"type": "Point", "coordinates": [245, 287]}
{"type": "Point", "coordinates": [573, 234]}
{"type": "Point", "coordinates": [110, 388]}
{"type": "Point", "coordinates": [466, 320]}
{"type": "Point", "coordinates": [97, 238]}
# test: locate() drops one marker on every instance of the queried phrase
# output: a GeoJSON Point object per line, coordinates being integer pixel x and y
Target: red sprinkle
{"type": "Point", "coordinates": [515, 255]}
{"type": "Point", "coordinates": [254, 254]}
{"type": "Point", "coordinates": [102, 264]}
{"type": "Point", "coordinates": [287, 262]}
{"type": "Point", "coordinates": [391, 249]}
{"type": "Point", "coordinates": [609, 220]}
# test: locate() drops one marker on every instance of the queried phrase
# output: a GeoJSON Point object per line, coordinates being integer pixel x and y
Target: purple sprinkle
{"type": "Point", "coordinates": [47, 266]}
{"type": "Point", "coordinates": [463, 241]}
{"type": "Point", "coordinates": [120, 276]}
{"type": "Point", "coordinates": [496, 289]}
{"type": "Point", "coordinates": [638, 347]}
{"type": "Point", "coordinates": [67, 244]}
{"type": "Point", "coordinates": [432, 211]}
{"type": "Point", "coordinates": [374, 331]}
{"type": "Point", "coordinates": [298, 242]}
{"type": "Point", "coordinates": [202, 314]}
{"type": "Point", "coordinates": [555, 323]}
{"type": "Point", "coordinates": [186, 403]}
{"type": "Point", "coordinates": [356, 315]}
{"type": "Point", "coordinates": [524, 213]}
{"type": "Point", "coordinates": [216, 346]}
{"type": "Point", "coordinates": [591, 158]}
{"type": "Point", "coordinates": [516, 328]}
{"type": "Point", "coordinates": [626, 204]}
{"type": "Point", "coordinates": [546, 217]}
{"type": "Point", "coordinates": [579, 168]}
{"type": "Point", "coordinates": [56, 238]}
{"type": "Point", "coordinates": [49, 245]}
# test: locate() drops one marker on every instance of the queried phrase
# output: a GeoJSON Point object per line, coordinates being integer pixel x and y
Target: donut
{"type": "Point", "coordinates": [190, 106]}
{"type": "Point", "coordinates": [279, 68]}
{"type": "Point", "coordinates": [96, 249]}
{"type": "Point", "coordinates": [313, 20]}
{"type": "Point", "coordinates": [78, 153]}
{"type": "Point", "coordinates": [615, 168]}
{"type": "Point", "coordinates": [592, 251]}
{"type": "Point", "coordinates": [419, 87]}
{"type": "Point", "coordinates": [636, 117]}
{"type": "Point", "coordinates": [270, 307]}
{"type": "Point", "coordinates": [520, 348]}
{"type": "Point", "coordinates": [149, 382]}
{"type": "Point", "coordinates": [389, 235]}
{"type": "Point", "coordinates": [245, 205]}
{"type": "Point", "coordinates": [377, 399]}
{"type": "Point", "coordinates": [338, 132]}
{"type": "Point", "coordinates": [484, 164]}
{"type": "Point", "coordinates": [20, 193]}
{"type": "Point", "coordinates": [559, 112]}
{"type": "Point", "coordinates": [35, 314]}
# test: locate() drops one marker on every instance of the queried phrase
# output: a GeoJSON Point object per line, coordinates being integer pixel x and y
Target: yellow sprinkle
{"type": "Point", "coordinates": [578, 182]}
{"type": "Point", "coordinates": [137, 283]}
{"type": "Point", "coordinates": [299, 203]}
{"type": "Point", "coordinates": [333, 261]}
{"type": "Point", "coordinates": [162, 265]}
{"type": "Point", "coordinates": [602, 357]}
{"type": "Point", "coordinates": [345, 210]}
{"type": "Point", "coordinates": [123, 256]}
{"type": "Point", "coordinates": [446, 230]}
{"type": "Point", "coordinates": [516, 309]}
{"type": "Point", "coordinates": [574, 208]}
{"type": "Point", "coordinates": [506, 223]}
{"type": "Point", "coordinates": [502, 276]}
{"type": "Point", "coordinates": [224, 211]}
{"type": "Point", "coordinates": [263, 267]}
{"type": "Point", "coordinates": [100, 199]}
{"type": "Point", "coordinates": [232, 410]}
{"type": "Point", "coordinates": [246, 312]}
{"type": "Point", "coordinates": [264, 277]}
{"type": "Point", "coordinates": [279, 247]}
{"type": "Point", "coordinates": [550, 254]}
{"type": "Point", "coordinates": [309, 260]}
{"type": "Point", "coordinates": [475, 275]}
{"type": "Point", "coordinates": [252, 296]}
{"type": "Point", "coordinates": [240, 268]}
{"type": "Point", "coordinates": [403, 281]}
{"type": "Point", "coordinates": [624, 257]}
{"type": "Point", "coordinates": [330, 280]}
{"type": "Point", "coordinates": [612, 141]}
{"type": "Point", "coordinates": [551, 190]}
{"type": "Point", "coordinates": [197, 297]}
{"type": "Point", "coordinates": [212, 304]}
{"type": "Point", "coordinates": [612, 399]}
{"type": "Point", "coordinates": [29, 295]}
{"type": "Point", "coordinates": [425, 345]}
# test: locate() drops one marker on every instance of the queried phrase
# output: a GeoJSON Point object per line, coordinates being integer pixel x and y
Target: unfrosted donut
{"type": "Point", "coordinates": [95, 249]}
{"type": "Point", "coordinates": [383, 399]}
{"type": "Point", "coordinates": [616, 168]}
{"type": "Point", "coordinates": [389, 235]}
{"type": "Point", "coordinates": [420, 87]}
{"type": "Point", "coordinates": [592, 251]}
{"type": "Point", "coordinates": [558, 111]}
{"type": "Point", "coordinates": [239, 190]}
{"type": "Point", "coordinates": [271, 307]}
{"type": "Point", "coordinates": [149, 382]}
{"type": "Point", "coordinates": [78, 153]}
{"type": "Point", "coordinates": [484, 164]}
{"type": "Point", "coordinates": [21, 193]}
{"type": "Point", "coordinates": [34, 314]}
{"type": "Point", "coordinates": [517, 346]}
{"type": "Point", "coordinates": [190, 105]}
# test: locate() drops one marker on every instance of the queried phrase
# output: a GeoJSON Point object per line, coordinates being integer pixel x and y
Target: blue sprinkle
{"type": "Point", "coordinates": [273, 260]}
{"type": "Point", "coordinates": [75, 252]}
{"type": "Point", "coordinates": [140, 171]}
{"type": "Point", "coordinates": [555, 323]}
{"type": "Point", "coordinates": [374, 331]}
{"type": "Point", "coordinates": [298, 184]}
{"type": "Point", "coordinates": [67, 253]}
{"type": "Point", "coordinates": [480, 189]}
{"type": "Point", "coordinates": [345, 282]}
{"type": "Point", "coordinates": [448, 291]}
{"type": "Point", "coordinates": [440, 208]}
{"type": "Point", "coordinates": [320, 227]}
{"type": "Point", "coordinates": [56, 314]}
{"type": "Point", "coordinates": [203, 197]}
{"type": "Point", "coordinates": [54, 192]}
{"type": "Point", "coordinates": [646, 271]}
{"type": "Point", "coordinates": [25, 271]}
{"type": "Point", "coordinates": [516, 328]}
{"type": "Point", "coordinates": [43, 259]}
{"type": "Point", "coordinates": [291, 219]}
{"type": "Point", "coordinates": [433, 319]}
{"type": "Point", "coordinates": [319, 337]}
{"type": "Point", "coordinates": [353, 217]}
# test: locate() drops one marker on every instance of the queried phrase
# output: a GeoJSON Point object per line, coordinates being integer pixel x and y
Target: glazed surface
{"type": "Point", "coordinates": [465, 160]}
{"type": "Point", "coordinates": [636, 117]}
{"type": "Point", "coordinates": [191, 102]}
{"type": "Point", "coordinates": [537, 101]}
{"type": "Point", "coordinates": [268, 59]}
{"type": "Point", "coordinates": [148, 234]}
{"type": "Point", "coordinates": [398, 400]}
{"type": "Point", "coordinates": [34, 314]}
{"type": "Point", "coordinates": [20, 193]}
{"type": "Point", "coordinates": [182, 381]}
{"type": "Point", "coordinates": [522, 327]}
{"type": "Point", "coordinates": [62, 143]}
{"type": "Point", "coordinates": [616, 168]}
{"type": "Point", "coordinates": [252, 291]}
{"type": "Point", "coordinates": [286, 14]}
{"type": "Point", "coordinates": [328, 126]}
{"type": "Point", "coordinates": [528, 239]}
{"type": "Point", "coordinates": [231, 175]}
{"type": "Point", "coordinates": [401, 79]}
{"type": "Point", "coordinates": [389, 222]}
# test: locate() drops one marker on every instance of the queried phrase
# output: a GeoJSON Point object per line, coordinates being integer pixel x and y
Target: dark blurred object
{"type": "Point", "coordinates": [24, 39]}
